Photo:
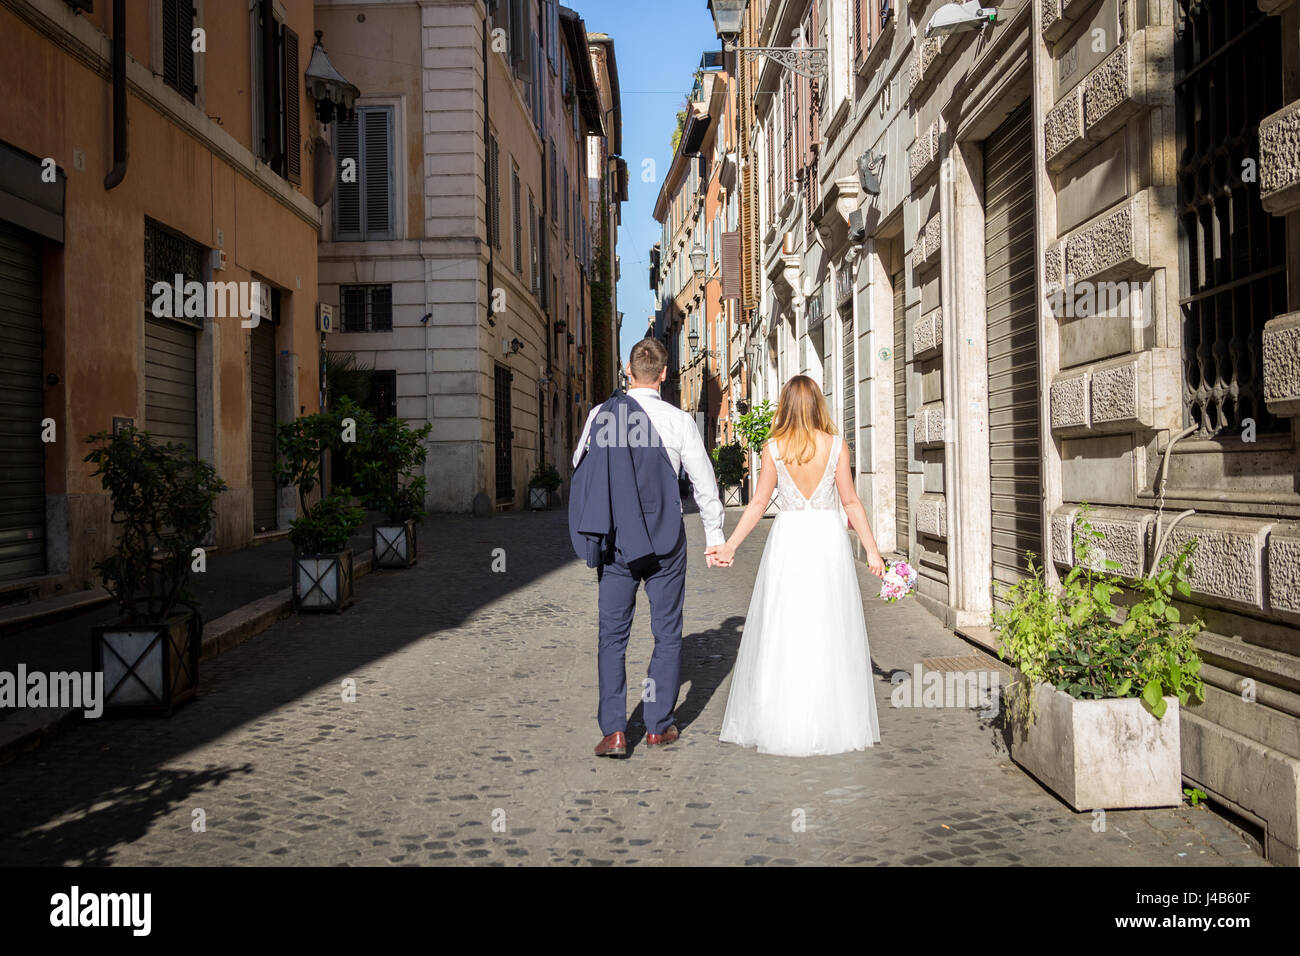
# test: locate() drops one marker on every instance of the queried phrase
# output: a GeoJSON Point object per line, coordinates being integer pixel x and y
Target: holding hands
{"type": "Point", "coordinates": [720, 555]}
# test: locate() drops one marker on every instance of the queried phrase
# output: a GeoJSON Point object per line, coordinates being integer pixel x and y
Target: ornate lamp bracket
{"type": "Point", "coordinates": [806, 61]}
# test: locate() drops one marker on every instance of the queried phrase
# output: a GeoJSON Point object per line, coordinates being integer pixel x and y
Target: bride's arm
{"type": "Point", "coordinates": [857, 514]}
{"type": "Point", "coordinates": [755, 510]}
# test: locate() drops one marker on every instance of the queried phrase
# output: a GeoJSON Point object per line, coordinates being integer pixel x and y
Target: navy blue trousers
{"type": "Point", "coordinates": [665, 586]}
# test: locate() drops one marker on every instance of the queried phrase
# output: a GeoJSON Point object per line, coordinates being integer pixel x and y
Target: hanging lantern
{"type": "Point", "coordinates": [333, 94]}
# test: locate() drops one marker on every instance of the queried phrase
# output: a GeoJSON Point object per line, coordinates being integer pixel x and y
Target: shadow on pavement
{"type": "Point", "coordinates": [111, 775]}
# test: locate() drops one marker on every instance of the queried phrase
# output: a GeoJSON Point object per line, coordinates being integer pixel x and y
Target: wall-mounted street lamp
{"type": "Point", "coordinates": [727, 19]}
{"type": "Point", "coordinates": [960, 18]}
{"type": "Point", "coordinates": [694, 340]}
{"type": "Point", "coordinates": [699, 259]}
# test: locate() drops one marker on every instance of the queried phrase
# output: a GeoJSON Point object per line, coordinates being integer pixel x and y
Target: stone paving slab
{"type": "Point", "coordinates": [470, 739]}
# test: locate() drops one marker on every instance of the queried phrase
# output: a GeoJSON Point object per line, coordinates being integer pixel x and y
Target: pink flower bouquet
{"type": "Point", "coordinates": [899, 579]}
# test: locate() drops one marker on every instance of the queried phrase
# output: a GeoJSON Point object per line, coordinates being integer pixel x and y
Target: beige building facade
{"type": "Point", "coordinates": [1051, 263]}
{"type": "Point", "coordinates": [462, 262]}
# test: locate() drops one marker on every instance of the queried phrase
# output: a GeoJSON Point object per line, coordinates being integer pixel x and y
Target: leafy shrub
{"type": "Point", "coordinates": [389, 468]}
{"type": "Point", "coordinates": [755, 425]}
{"type": "Point", "coordinates": [729, 464]}
{"type": "Point", "coordinates": [325, 526]}
{"type": "Point", "coordinates": [545, 477]}
{"type": "Point", "coordinates": [164, 501]}
{"type": "Point", "coordinates": [1070, 638]}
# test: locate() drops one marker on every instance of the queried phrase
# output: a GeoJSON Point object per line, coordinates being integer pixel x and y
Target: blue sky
{"type": "Point", "coordinates": [658, 44]}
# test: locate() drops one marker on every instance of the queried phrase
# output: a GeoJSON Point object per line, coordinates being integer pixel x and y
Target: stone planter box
{"type": "Point", "coordinates": [322, 582]}
{"type": "Point", "coordinates": [147, 668]}
{"type": "Point", "coordinates": [733, 496]}
{"type": "Point", "coordinates": [1102, 754]}
{"type": "Point", "coordinates": [394, 544]}
{"type": "Point", "coordinates": [539, 499]}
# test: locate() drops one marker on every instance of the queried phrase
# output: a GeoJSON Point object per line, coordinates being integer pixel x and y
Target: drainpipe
{"type": "Point", "coordinates": [118, 172]}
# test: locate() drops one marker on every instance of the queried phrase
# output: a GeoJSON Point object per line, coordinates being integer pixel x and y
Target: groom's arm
{"type": "Point", "coordinates": [695, 459]}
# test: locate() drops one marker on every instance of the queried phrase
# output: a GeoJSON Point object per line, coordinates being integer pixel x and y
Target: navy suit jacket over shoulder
{"type": "Point", "coordinates": [624, 491]}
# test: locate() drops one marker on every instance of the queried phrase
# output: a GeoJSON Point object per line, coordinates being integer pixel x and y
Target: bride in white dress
{"type": "Point", "coordinates": [802, 683]}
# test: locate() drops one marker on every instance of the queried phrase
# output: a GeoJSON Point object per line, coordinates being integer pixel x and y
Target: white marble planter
{"type": "Point", "coordinates": [1102, 754]}
{"type": "Point", "coordinates": [394, 545]}
{"type": "Point", "coordinates": [322, 582]}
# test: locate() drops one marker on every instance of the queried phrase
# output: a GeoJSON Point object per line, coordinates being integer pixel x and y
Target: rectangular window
{"type": "Point", "coordinates": [363, 207]}
{"type": "Point", "coordinates": [566, 206]}
{"type": "Point", "coordinates": [1233, 254]}
{"type": "Point", "coordinates": [277, 87]}
{"type": "Point", "coordinates": [366, 308]}
{"type": "Point", "coordinates": [177, 46]}
{"type": "Point", "coordinates": [167, 253]}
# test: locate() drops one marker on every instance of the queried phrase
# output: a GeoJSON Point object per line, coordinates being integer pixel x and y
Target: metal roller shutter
{"type": "Point", "coordinates": [261, 356]}
{"type": "Point", "coordinates": [22, 479]}
{"type": "Point", "coordinates": [1014, 441]}
{"type": "Point", "coordinates": [170, 387]}
{"type": "Point", "coordinates": [902, 516]}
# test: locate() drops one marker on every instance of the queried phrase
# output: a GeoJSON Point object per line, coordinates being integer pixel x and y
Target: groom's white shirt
{"type": "Point", "coordinates": [681, 439]}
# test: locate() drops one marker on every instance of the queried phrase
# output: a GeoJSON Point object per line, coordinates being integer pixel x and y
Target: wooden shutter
{"type": "Point", "coordinates": [555, 208]}
{"type": "Point", "coordinates": [731, 265]}
{"type": "Point", "coordinates": [494, 192]}
{"type": "Point", "coordinates": [516, 222]}
{"type": "Point", "coordinates": [377, 174]}
{"type": "Point", "coordinates": [533, 226]}
{"type": "Point", "coordinates": [518, 34]}
{"type": "Point", "coordinates": [859, 48]}
{"type": "Point", "coordinates": [177, 38]}
{"type": "Point", "coordinates": [292, 99]}
{"type": "Point", "coordinates": [787, 147]}
{"type": "Point", "coordinates": [347, 196]}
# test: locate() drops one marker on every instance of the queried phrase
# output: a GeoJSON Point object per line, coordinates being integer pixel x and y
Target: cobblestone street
{"type": "Point", "coordinates": [471, 734]}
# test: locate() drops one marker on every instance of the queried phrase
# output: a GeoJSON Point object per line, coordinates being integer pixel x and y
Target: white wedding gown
{"type": "Point", "coordinates": [802, 682]}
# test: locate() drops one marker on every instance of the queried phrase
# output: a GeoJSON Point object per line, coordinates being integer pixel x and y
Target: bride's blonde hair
{"type": "Point", "coordinates": [801, 412]}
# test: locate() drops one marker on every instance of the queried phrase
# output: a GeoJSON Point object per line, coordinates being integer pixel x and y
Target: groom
{"type": "Point", "coordinates": [625, 518]}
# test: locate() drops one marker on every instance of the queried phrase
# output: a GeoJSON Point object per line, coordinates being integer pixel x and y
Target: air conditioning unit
{"type": "Point", "coordinates": [325, 317]}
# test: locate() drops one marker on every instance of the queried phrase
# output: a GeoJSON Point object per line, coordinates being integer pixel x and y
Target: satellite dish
{"type": "Point", "coordinates": [869, 165]}
{"type": "Point", "coordinates": [327, 171]}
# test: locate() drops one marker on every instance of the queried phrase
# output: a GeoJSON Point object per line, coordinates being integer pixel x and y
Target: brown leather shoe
{"type": "Point", "coordinates": [659, 740]}
{"type": "Point", "coordinates": [613, 745]}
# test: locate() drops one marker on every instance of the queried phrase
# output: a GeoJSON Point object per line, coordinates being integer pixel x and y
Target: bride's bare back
{"type": "Point", "coordinates": [808, 476]}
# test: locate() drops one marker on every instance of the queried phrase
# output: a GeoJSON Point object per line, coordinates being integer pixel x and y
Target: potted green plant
{"type": "Point", "coordinates": [729, 467]}
{"type": "Point", "coordinates": [322, 563]}
{"type": "Point", "coordinates": [164, 502]}
{"type": "Point", "coordinates": [753, 427]}
{"type": "Point", "coordinates": [390, 473]}
{"type": "Point", "coordinates": [542, 486]}
{"type": "Point", "coordinates": [1093, 710]}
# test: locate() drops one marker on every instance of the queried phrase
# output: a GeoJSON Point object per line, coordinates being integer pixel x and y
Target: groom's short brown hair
{"type": "Point", "coordinates": [648, 358]}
